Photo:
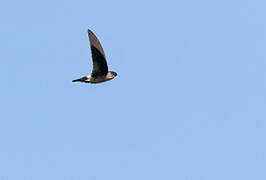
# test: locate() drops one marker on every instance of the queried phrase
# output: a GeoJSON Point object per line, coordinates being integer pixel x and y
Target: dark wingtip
{"type": "Point", "coordinates": [89, 31]}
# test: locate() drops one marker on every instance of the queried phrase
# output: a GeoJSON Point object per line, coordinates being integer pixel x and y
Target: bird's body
{"type": "Point", "coordinates": [98, 79]}
{"type": "Point", "coordinates": [100, 71]}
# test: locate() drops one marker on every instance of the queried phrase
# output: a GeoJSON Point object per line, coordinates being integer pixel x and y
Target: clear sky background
{"type": "Point", "coordinates": [189, 101]}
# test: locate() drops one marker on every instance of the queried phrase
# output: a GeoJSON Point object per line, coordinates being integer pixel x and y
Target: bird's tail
{"type": "Point", "coordinates": [77, 80]}
{"type": "Point", "coordinates": [80, 79]}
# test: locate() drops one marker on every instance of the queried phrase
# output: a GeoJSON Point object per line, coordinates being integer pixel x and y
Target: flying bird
{"type": "Point", "coordinates": [100, 71]}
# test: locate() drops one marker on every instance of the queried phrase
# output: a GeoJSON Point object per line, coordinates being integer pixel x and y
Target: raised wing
{"type": "Point", "coordinates": [98, 57]}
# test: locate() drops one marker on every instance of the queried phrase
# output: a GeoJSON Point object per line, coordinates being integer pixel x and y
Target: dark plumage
{"type": "Point", "coordinates": [100, 71]}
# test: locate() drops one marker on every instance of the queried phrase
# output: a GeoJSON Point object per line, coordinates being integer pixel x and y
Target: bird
{"type": "Point", "coordinates": [100, 71]}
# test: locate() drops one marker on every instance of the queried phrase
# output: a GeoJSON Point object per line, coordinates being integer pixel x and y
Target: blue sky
{"type": "Point", "coordinates": [188, 102]}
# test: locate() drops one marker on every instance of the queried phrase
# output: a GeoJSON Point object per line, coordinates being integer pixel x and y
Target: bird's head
{"type": "Point", "coordinates": [114, 74]}
{"type": "Point", "coordinates": [110, 75]}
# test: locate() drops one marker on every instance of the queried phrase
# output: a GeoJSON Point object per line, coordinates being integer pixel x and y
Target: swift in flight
{"type": "Point", "coordinates": [100, 71]}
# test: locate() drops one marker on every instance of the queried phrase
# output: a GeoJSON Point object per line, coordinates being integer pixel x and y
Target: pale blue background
{"type": "Point", "coordinates": [189, 101]}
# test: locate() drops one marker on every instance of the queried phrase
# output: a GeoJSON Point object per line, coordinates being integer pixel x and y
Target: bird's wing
{"type": "Point", "coordinates": [98, 58]}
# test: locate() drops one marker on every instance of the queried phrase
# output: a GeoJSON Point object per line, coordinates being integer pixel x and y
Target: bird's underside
{"type": "Point", "coordinates": [100, 71]}
{"type": "Point", "coordinates": [97, 79]}
{"type": "Point", "coordinates": [89, 79]}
